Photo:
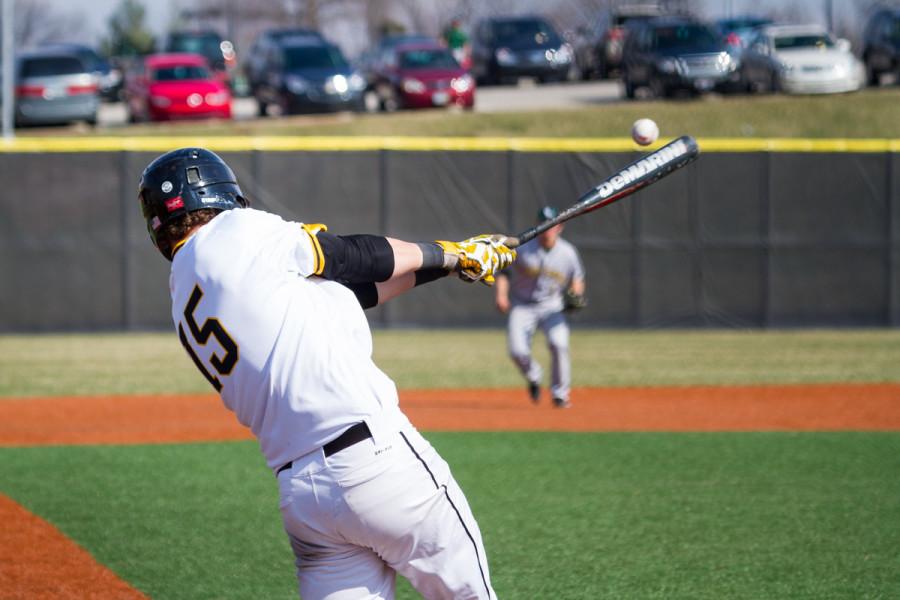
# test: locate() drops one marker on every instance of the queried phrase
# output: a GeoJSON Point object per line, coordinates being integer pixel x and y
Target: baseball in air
{"type": "Point", "coordinates": [644, 131]}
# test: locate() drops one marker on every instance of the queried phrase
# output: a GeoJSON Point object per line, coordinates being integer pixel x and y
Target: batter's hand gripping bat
{"type": "Point", "coordinates": [630, 179]}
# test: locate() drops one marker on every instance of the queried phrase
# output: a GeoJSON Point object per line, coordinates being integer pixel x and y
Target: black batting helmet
{"type": "Point", "coordinates": [185, 180]}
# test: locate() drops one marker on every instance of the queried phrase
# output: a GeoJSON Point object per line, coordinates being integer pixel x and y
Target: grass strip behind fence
{"type": "Point", "coordinates": [95, 364]}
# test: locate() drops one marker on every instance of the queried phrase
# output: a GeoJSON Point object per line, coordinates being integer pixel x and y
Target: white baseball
{"type": "Point", "coordinates": [644, 131]}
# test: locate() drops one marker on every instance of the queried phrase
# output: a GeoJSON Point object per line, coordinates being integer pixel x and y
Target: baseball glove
{"type": "Point", "coordinates": [573, 301]}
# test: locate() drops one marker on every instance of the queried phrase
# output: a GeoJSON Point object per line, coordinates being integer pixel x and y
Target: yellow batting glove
{"type": "Point", "coordinates": [482, 256]}
{"type": "Point", "coordinates": [451, 254]}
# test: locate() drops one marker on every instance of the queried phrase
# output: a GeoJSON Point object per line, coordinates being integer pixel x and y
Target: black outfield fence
{"type": "Point", "coordinates": [753, 234]}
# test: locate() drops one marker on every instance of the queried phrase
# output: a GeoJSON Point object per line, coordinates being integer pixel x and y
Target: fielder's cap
{"type": "Point", "coordinates": [547, 212]}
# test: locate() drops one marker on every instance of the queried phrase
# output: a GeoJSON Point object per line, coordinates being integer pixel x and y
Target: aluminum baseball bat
{"type": "Point", "coordinates": [637, 175]}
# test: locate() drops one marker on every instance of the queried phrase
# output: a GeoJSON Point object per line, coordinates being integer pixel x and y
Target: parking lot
{"type": "Point", "coordinates": [525, 96]}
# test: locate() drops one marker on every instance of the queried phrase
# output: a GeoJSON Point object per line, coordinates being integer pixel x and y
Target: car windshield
{"type": "Point", "coordinates": [180, 73]}
{"type": "Point", "coordinates": [739, 24]}
{"type": "Point", "coordinates": [208, 45]}
{"type": "Point", "coordinates": [396, 40]}
{"type": "Point", "coordinates": [680, 36]}
{"type": "Point", "coordinates": [437, 58]}
{"type": "Point", "coordinates": [512, 32]}
{"type": "Point", "coordinates": [47, 66]}
{"type": "Point", "coordinates": [627, 20]}
{"type": "Point", "coordinates": [313, 57]}
{"type": "Point", "coordinates": [790, 42]}
{"type": "Point", "coordinates": [92, 61]}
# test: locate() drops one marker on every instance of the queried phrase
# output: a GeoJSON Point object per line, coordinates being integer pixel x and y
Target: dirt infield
{"type": "Point", "coordinates": [173, 419]}
{"type": "Point", "coordinates": [41, 563]}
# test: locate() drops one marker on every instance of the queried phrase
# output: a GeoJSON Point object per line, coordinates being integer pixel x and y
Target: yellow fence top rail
{"type": "Point", "coordinates": [425, 144]}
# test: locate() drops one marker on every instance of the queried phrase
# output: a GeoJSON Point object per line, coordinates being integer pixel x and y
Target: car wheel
{"type": "Point", "coordinates": [873, 78]}
{"type": "Point", "coordinates": [603, 70]}
{"type": "Point", "coordinates": [585, 73]}
{"type": "Point", "coordinates": [371, 102]}
{"type": "Point", "coordinates": [764, 85]}
{"type": "Point", "coordinates": [284, 106]}
{"type": "Point", "coordinates": [657, 89]}
{"type": "Point", "coordinates": [629, 88]}
{"type": "Point", "coordinates": [387, 99]}
{"type": "Point", "coordinates": [492, 76]}
{"type": "Point", "coordinates": [390, 104]}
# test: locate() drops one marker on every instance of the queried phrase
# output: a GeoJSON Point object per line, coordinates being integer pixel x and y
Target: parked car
{"type": "Point", "coordinates": [800, 59]}
{"type": "Point", "coordinates": [738, 31]}
{"type": "Point", "coordinates": [881, 45]}
{"type": "Point", "coordinates": [217, 51]}
{"type": "Point", "coordinates": [598, 51]}
{"type": "Point", "coordinates": [269, 42]}
{"type": "Point", "coordinates": [109, 76]}
{"type": "Point", "coordinates": [176, 86]}
{"type": "Point", "coordinates": [506, 48]}
{"type": "Point", "coordinates": [669, 54]}
{"type": "Point", "coordinates": [423, 75]}
{"type": "Point", "coordinates": [54, 87]}
{"type": "Point", "coordinates": [308, 75]}
{"type": "Point", "coordinates": [374, 60]}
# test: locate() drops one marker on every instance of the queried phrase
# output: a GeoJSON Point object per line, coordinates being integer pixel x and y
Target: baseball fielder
{"type": "Point", "coordinates": [534, 295]}
{"type": "Point", "coordinates": [271, 312]}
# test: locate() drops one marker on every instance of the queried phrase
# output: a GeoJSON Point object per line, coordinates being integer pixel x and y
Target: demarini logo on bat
{"type": "Point", "coordinates": [654, 162]}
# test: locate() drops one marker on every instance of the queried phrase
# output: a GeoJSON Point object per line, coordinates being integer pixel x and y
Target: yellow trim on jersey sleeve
{"type": "Point", "coordinates": [178, 245]}
{"type": "Point", "coordinates": [312, 230]}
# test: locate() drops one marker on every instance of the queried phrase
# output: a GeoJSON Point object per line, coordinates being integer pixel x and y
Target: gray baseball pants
{"type": "Point", "coordinates": [524, 320]}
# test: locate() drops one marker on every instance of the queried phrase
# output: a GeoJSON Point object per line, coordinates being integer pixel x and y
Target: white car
{"type": "Point", "coordinates": [800, 59]}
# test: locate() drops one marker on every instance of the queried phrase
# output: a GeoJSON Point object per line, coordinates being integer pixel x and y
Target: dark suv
{"type": "Point", "coordinates": [307, 74]}
{"type": "Point", "coordinates": [670, 54]}
{"type": "Point", "coordinates": [598, 53]}
{"type": "Point", "coordinates": [266, 43]}
{"type": "Point", "coordinates": [511, 47]}
{"type": "Point", "coordinates": [881, 45]}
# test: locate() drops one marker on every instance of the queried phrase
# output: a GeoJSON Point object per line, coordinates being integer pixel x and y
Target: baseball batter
{"type": "Point", "coordinates": [271, 313]}
{"type": "Point", "coordinates": [547, 268]}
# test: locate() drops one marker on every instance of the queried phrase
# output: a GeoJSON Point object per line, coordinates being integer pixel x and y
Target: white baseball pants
{"type": "Point", "coordinates": [383, 506]}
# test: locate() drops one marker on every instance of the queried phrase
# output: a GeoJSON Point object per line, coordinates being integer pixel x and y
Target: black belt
{"type": "Point", "coordinates": [352, 435]}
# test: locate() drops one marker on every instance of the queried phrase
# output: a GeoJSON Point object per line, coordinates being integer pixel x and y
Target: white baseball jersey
{"type": "Point", "coordinates": [254, 321]}
{"type": "Point", "coordinates": [291, 355]}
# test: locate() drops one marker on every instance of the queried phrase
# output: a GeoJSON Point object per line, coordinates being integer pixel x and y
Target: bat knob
{"type": "Point", "coordinates": [511, 242]}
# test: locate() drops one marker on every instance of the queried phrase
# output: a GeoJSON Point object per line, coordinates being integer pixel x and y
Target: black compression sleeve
{"type": "Point", "coordinates": [428, 275]}
{"type": "Point", "coordinates": [356, 258]}
{"type": "Point", "coordinates": [366, 293]}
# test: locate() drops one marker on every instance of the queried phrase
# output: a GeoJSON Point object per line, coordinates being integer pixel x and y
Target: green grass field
{"type": "Point", "coordinates": [870, 113]}
{"type": "Point", "coordinates": [563, 515]}
{"type": "Point", "coordinates": [624, 515]}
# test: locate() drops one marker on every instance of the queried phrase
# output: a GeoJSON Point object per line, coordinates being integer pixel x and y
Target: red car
{"type": "Point", "coordinates": [423, 75]}
{"type": "Point", "coordinates": [177, 86]}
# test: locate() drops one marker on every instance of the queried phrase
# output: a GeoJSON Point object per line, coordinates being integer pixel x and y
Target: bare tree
{"type": "Point", "coordinates": [38, 22]}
